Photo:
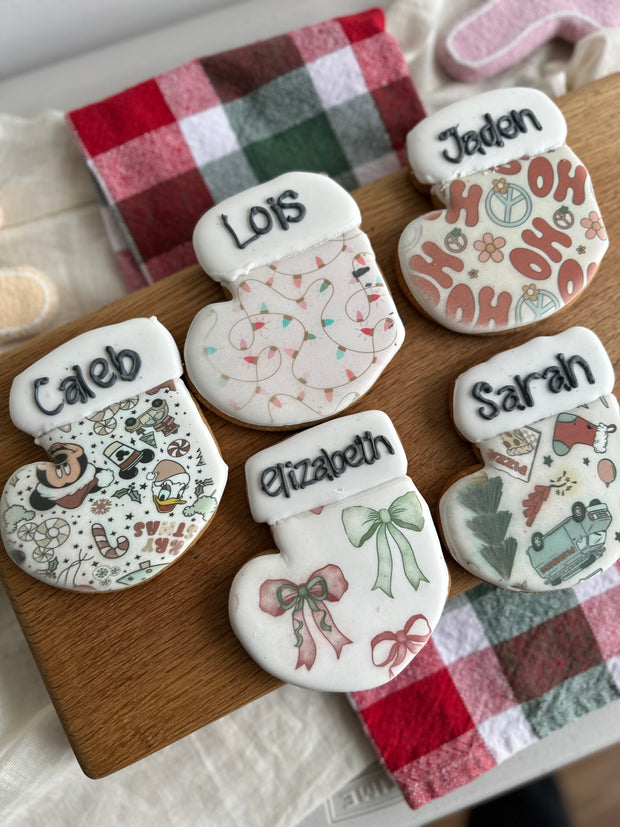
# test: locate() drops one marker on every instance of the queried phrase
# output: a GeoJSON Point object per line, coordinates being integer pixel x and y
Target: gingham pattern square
{"type": "Point", "coordinates": [335, 98]}
{"type": "Point", "coordinates": [502, 670]}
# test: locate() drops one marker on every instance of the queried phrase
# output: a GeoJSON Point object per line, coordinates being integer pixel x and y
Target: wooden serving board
{"type": "Point", "coordinates": [132, 671]}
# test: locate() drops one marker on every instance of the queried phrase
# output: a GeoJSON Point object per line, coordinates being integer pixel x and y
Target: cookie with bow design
{"type": "Point", "coordinates": [134, 474]}
{"type": "Point", "coordinates": [310, 323]}
{"type": "Point", "coordinates": [360, 580]}
{"type": "Point", "coordinates": [542, 513]}
{"type": "Point", "coordinates": [519, 234]}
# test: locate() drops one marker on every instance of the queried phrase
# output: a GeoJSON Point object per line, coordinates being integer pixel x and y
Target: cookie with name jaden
{"type": "Point", "coordinates": [520, 234]}
{"type": "Point", "coordinates": [542, 512]}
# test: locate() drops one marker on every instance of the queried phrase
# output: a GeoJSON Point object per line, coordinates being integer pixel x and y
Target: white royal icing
{"type": "Point", "coordinates": [542, 514]}
{"type": "Point", "coordinates": [360, 581]}
{"type": "Point", "coordinates": [484, 131]}
{"type": "Point", "coordinates": [514, 244]}
{"type": "Point", "coordinates": [301, 339]}
{"type": "Point", "coordinates": [289, 214]}
{"type": "Point", "coordinates": [135, 474]}
{"type": "Point", "coordinates": [357, 451]}
{"type": "Point", "coordinates": [540, 378]}
{"type": "Point", "coordinates": [70, 382]}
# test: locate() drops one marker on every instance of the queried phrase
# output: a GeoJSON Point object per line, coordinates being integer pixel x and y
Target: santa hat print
{"type": "Point", "coordinates": [571, 430]}
{"type": "Point", "coordinates": [170, 470]}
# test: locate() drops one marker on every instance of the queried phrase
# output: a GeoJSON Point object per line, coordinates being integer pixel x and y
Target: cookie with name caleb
{"type": "Point", "coordinates": [134, 474]}
{"type": "Point", "coordinates": [542, 513]}
{"type": "Point", "coordinates": [519, 235]}
{"type": "Point", "coordinates": [360, 580]}
{"type": "Point", "coordinates": [310, 324]}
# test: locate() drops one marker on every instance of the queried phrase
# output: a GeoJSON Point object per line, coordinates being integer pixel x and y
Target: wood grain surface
{"type": "Point", "coordinates": [132, 671]}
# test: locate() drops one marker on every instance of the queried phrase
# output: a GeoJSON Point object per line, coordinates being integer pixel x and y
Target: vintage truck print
{"type": "Point", "coordinates": [572, 545]}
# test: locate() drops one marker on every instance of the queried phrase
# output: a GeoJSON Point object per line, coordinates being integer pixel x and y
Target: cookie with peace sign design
{"type": "Point", "coordinates": [360, 580]}
{"type": "Point", "coordinates": [520, 234]}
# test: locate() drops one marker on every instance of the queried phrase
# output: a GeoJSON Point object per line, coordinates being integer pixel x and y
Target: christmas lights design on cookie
{"type": "Point", "coordinates": [310, 324]}
{"type": "Point", "coordinates": [360, 580]}
{"type": "Point", "coordinates": [521, 234]}
{"type": "Point", "coordinates": [111, 508]}
{"type": "Point", "coordinates": [542, 513]}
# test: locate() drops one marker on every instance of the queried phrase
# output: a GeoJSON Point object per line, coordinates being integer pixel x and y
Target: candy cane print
{"type": "Point", "coordinates": [104, 546]}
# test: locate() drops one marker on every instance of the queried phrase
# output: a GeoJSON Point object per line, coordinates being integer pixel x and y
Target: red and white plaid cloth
{"type": "Point", "coordinates": [335, 97]}
{"type": "Point", "coordinates": [501, 671]}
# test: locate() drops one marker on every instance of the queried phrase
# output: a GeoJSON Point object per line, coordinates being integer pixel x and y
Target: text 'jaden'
{"type": "Point", "coordinates": [509, 126]}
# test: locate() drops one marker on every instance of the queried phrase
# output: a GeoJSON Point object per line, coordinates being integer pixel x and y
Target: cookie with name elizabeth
{"type": "Point", "coordinates": [360, 580]}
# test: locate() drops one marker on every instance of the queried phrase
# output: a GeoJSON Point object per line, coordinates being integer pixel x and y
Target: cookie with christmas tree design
{"type": "Point", "coordinates": [360, 580]}
{"type": "Point", "coordinates": [543, 512]}
{"type": "Point", "coordinates": [310, 324]}
{"type": "Point", "coordinates": [519, 233]}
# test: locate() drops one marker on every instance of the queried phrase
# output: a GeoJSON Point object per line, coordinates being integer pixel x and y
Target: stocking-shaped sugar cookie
{"type": "Point", "coordinates": [310, 324]}
{"type": "Point", "coordinates": [134, 474]}
{"type": "Point", "coordinates": [543, 512]}
{"type": "Point", "coordinates": [521, 234]}
{"type": "Point", "coordinates": [360, 580]}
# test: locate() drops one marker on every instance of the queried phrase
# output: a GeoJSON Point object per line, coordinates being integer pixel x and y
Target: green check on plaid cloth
{"type": "Point", "coordinates": [502, 670]}
{"type": "Point", "coordinates": [335, 98]}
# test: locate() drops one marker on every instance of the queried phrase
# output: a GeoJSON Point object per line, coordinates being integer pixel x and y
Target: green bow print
{"type": "Point", "coordinates": [360, 523]}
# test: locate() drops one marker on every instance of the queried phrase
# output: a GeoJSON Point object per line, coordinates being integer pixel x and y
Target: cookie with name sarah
{"type": "Point", "coordinates": [360, 580]}
{"type": "Point", "coordinates": [519, 234]}
{"type": "Point", "coordinates": [310, 324]}
{"type": "Point", "coordinates": [542, 513]}
{"type": "Point", "coordinates": [134, 474]}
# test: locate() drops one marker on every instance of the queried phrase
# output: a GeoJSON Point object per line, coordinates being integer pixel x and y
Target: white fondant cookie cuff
{"type": "Point", "coordinates": [287, 215]}
{"type": "Point", "coordinates": [324, 464]}
{"type": "Point", "coordinates": [92, 371]}
{"type": "Point", "coordinates": [535, 380]}
{"type": "Point", "coordinates": [484, 131]}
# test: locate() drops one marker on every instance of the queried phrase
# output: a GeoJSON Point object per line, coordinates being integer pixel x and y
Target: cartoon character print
{"type": "Point", "coordinates": [169, 480]}
{"type": "Point", "coordinates": [63, 519]}
{"type": "Point", "coordinates": [68, 479]}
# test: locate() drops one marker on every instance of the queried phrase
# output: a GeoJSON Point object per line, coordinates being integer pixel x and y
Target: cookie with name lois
{"type": "Point", "coordinates": [134, 474]}
{"type": "Point", "coordinates": [360, 580]}
{"type": "Point", "coordinates": [311, 323]}
{"type": "Point", "coordinates": [542, 513]}
{"type": "Point", "coordinates": [521, 233]}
